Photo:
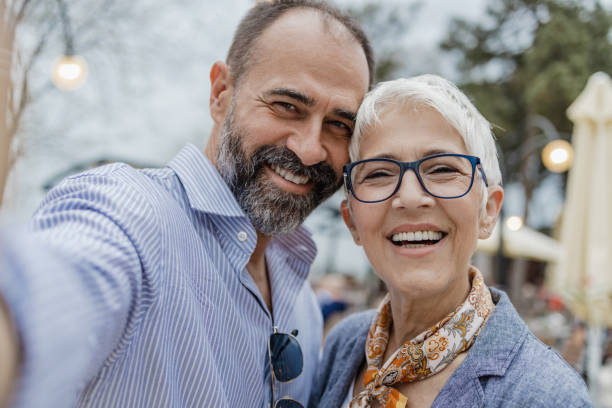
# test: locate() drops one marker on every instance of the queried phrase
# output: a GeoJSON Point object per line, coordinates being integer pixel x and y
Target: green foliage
{"type": "Point", "coordinates": [528, 58]}
{"type": "Point", "coordinates": [386, 24]}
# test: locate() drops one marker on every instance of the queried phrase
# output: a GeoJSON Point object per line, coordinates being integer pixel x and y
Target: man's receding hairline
{"type": "Point", "coordinates": [331, 25]}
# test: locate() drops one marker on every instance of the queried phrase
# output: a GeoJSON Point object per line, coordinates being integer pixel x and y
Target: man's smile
{"type": "Point", "coordinates": [287, 175]}
{"type": "Point", "coordinates": [289, 181]}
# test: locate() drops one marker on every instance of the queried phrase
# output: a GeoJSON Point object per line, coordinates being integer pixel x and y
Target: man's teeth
{"type": "Point", "coordinates": [287, 175]}
{"type": "Point", "coordinates": [417, 236]}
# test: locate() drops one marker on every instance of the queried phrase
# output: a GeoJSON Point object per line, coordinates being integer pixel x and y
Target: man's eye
{"type": "Point", "coordinates": [286, 106]}
{"type": "Point", "coordinates": [342, 126]}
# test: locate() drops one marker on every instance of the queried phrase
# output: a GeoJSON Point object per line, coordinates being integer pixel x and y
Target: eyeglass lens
{"type": "Point", "coordinates": [442, 176]}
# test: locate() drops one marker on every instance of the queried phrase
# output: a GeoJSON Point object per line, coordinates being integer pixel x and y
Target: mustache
{"type": "Point", "coordinates": [321, 174]}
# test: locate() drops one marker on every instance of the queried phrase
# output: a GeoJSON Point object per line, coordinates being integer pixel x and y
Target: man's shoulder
{"type": "Point", "coordinates": [137, 200]}
{"type": "Point", "coordinates": [123, 174]}
{"type": "Point", "coordinates": [118, 181]}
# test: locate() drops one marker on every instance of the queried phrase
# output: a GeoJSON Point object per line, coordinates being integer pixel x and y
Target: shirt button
{"type": "Point", "coordinates": [242, 236]}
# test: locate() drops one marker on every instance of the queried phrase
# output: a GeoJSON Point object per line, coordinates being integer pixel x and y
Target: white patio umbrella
{"type": "Point", "coordinates": [583, 276]}
{"type": "Point", "coordinates": [522, 243]}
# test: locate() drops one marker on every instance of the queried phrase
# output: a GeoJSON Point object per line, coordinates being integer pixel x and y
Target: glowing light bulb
{"type": "Point", "coordinates": [557, 156]}
{"type": "Point", "coordinates": [514, 223]}
{"type": "Point", "coordinates": [69, 72]}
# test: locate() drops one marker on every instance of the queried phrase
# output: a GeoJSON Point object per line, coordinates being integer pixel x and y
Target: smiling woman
{"type": "Point", "coordinates": [424, 186]}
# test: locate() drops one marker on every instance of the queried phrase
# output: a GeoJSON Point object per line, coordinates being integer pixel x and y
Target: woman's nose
{"type": "Point", "coordinates": [411, 193]}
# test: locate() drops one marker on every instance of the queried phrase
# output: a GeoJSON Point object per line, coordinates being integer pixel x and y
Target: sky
{"type": "Point", "coordinates": [147, 95]}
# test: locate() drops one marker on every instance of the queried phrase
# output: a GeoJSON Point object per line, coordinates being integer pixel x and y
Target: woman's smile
{"type": "Point", "coordinates": [417, 240]}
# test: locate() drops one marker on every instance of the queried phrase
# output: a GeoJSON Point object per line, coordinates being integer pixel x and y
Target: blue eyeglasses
{"type": "Point", "coordinates": [444, 176]}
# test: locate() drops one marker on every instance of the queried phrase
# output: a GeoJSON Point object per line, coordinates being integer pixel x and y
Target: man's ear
{"type": "Point", "coordinates": [221, 91]}
{"type": "Point", "coordinates": [348, 220]}
{"type": "Point", "coordinates": [489, 218]}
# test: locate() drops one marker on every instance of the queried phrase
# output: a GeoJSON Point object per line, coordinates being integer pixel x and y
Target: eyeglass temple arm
{"type": "Point", "coordinates": [482, 173]}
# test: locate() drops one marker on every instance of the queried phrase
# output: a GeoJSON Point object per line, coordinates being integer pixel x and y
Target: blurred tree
{"type": "Point", "coordinates": [11, 13]}
{"type": "Point", "coordinates": [386, 24]}
{"type": "Point", "coordinates": [29, 29]}
{"type": "Point", "coordinates": [529, 58]}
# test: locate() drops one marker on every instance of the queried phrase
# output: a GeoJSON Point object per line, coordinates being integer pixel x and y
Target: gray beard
{"type": "Point", "coordinates": [271, 210]}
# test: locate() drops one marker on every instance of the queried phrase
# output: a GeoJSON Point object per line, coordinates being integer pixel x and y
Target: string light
{"type": "Point", "coordinates": [558, 156]}
{"type": "Point", "coordinates": [514, 223]}
{"type": "Point", "coordinates": [69, 72]}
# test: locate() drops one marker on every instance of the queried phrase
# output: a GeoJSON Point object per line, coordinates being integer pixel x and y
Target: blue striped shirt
{"type": "Point", "coordinates": [153, 305]}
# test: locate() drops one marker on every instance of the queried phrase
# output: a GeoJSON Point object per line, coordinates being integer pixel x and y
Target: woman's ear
{"type": "Point", "coordinates": [221, 90]}
{"type": "Point", "coordinates": [347, 216]}
{"type": "Point", "coordinates": [491, 212]}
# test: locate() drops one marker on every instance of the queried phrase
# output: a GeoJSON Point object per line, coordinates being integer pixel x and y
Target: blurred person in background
{"type": "Point", "coordinates": [425, 186]}
{"type": "Point", "coordinates": [186, 286]}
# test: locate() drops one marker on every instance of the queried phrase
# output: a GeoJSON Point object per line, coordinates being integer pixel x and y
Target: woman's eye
{"type": "Point", "coordinates": [442, 169]}
{"type": "Point", "coordinates": [377, 174]}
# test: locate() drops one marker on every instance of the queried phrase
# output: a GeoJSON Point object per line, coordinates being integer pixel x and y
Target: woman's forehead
{"type": "Point", "coordinates": [410, 132]}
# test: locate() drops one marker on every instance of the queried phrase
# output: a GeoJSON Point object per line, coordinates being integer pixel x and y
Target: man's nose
{"type": "Point", "coordinates": [306, 143]}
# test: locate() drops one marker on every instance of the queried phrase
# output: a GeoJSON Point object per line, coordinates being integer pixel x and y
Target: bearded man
{"type": "Point", "coordinates": [186, 286]}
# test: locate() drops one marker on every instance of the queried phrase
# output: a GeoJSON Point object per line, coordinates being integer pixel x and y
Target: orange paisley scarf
{"type": "Point", "coordinates": [425, 355]}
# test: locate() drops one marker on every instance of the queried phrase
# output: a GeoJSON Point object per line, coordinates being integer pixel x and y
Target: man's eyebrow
{"type": "Point", "coordinates": [293, 94]}
{"type": "Point", "coordinates": [346, 114]}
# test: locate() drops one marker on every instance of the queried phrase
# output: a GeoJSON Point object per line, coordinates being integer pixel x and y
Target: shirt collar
{"type": "Point", "coordinates": [205, 188]}
{"type": "Point", "coordinates": [208, 192]}
{"type": "Point", "coordinates": [298, 243]}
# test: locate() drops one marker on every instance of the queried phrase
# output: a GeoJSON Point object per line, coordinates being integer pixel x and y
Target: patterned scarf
{"type": "Point", "coordinates": [425, 355]}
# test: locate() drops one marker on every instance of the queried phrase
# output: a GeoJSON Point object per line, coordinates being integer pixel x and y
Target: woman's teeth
{"type": "Point", "coordinates": [416, 239]}
{"type": "Point", "coordinates": [287, 175]}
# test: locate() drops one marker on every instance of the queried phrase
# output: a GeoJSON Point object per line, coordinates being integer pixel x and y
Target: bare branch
{"type": "Point", "coordinates": [23, 101]}
{"type": "Point", "coordinates": [19, 16]}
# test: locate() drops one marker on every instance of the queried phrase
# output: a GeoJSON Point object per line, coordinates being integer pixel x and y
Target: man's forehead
{"type": "Point", "coordinates": [301, 20]}
{"type": "Point", "coordinates": [295, 27]}
{"type": "Point", "coordinates": [303, 54]}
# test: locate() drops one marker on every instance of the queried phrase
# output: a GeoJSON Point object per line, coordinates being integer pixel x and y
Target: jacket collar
{"type": "Point", "coordinates": [499, 341]}
{"type": "Point", "coordinates": [491, 354]}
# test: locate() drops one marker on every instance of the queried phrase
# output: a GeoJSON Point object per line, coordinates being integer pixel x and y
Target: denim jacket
{"type": "Point", "coordinates": [507, 366]}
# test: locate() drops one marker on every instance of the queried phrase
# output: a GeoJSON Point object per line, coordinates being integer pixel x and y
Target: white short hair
{"type": "Point", "coordinates": [443, 96]}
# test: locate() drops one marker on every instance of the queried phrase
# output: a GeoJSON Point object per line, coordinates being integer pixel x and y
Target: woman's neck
{"type": "Point", "coordinates": [413, 316]}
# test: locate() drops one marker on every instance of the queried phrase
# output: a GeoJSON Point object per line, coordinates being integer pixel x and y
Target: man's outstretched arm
{"type": "Point", "coordinates": [75, 285]}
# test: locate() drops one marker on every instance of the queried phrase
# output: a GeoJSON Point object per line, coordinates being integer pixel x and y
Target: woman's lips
{"type": "Point", "coordinates": [417, 240]}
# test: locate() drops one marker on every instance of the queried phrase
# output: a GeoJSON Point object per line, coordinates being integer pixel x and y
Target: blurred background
{"type": "Point", "coordinates": [96, 81]}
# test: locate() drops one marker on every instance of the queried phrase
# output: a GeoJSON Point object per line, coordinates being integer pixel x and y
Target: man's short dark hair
{"type": "Point", "coordinates": [262, 15]}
